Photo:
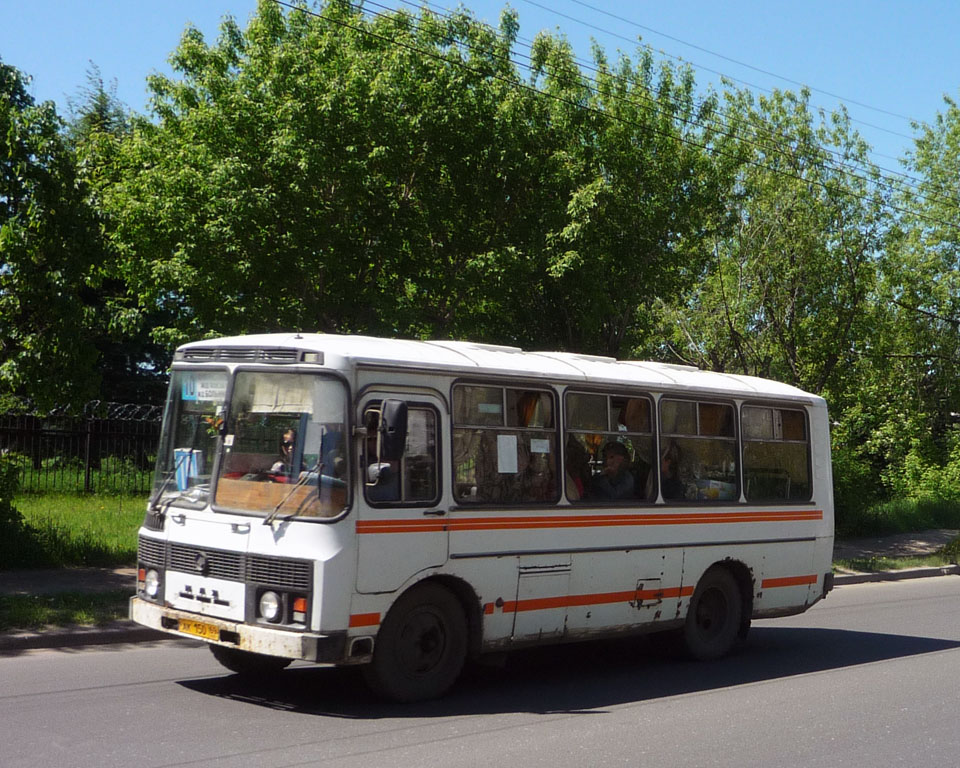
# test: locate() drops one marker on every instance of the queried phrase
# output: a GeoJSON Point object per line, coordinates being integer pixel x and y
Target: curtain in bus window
{"type": "Point", "coordinates": [776, 454]}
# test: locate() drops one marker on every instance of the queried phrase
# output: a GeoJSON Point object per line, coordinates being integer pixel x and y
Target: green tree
{"type": "Point", "coordinates": [921, 312]}
{"type": "Point", "coordinates": [48, 249]}
{"type": "Point", "coordinates": [648, 174]}
{"type": "Point", "coordinates": [327, 172]}
{"type": "Point", "coordinates": [133, 366]}
{"type": "Point", "coordinates": [788, 293]}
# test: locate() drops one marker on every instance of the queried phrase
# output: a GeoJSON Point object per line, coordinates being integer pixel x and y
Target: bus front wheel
{"type": "Point", "coordinates": [714, 616]}
{"type": "Point", "coordinates": [421, 646]}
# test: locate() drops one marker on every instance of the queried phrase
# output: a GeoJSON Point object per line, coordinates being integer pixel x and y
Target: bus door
{"type": "Point", "coordinates": [401, 526]}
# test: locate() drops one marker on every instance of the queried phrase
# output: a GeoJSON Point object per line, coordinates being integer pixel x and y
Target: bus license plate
{"type": "Point", "coordinates": [198, 628]}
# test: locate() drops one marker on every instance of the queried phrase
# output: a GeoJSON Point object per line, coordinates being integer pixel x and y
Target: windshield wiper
{"type": "Point", "coordinates": [301, 481]}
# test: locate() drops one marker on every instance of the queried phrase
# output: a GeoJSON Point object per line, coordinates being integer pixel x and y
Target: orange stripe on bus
{"type": "Point", "coordinates": [789, 581]}
{"type": "Point", "coordinates": [579, 601]}
{"type": "Point", "coordinates": [417, 525]}
{"type": "Point", "coordinates": [364, 619]}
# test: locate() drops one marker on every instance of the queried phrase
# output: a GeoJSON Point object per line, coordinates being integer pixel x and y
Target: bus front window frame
{"type": "Point", "coordinates": [187, 461]}
{"type": "Point", "coordinates": [312, 481]}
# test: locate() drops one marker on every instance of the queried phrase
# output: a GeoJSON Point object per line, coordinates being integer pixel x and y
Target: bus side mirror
{"type": "Point", "coordinates": [393, 429]}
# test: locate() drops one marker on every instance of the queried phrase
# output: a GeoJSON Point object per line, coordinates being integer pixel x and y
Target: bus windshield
{"type": "Point", "coordinates": [284, 449]}
{"type": "Point", "coordinates": [191, 426]}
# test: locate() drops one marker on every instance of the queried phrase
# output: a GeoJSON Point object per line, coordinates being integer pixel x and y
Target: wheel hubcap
{"type": "Point", "coordinates": [712, 612]}
{"type": "Point", "coordinates": [423, 642]}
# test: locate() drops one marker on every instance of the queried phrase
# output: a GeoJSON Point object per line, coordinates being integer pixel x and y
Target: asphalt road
{"type": "Point", "coordinates": [868, 678]}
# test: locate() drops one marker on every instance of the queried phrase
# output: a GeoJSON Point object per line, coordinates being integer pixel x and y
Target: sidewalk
{"type": "Point", "coordinates": [898, 545]}
{"type": "Point", "coordinates": [104, 580]}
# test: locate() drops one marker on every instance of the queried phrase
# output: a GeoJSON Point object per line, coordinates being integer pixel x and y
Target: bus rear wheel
{"type": "Point", "coordinates": [247, 663]}
{"type": "Point", "coordinates": [714, 616]}
{"type": "Point", "coordinates": [421, 646]}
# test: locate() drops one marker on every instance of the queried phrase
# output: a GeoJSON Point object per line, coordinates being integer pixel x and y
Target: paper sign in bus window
{"type": "Point", "coordinates": [507, 454]}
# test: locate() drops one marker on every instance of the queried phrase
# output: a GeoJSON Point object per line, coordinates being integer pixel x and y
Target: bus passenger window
{"type": "Point", "coordinates": [504, 445]}
{"type": "Point", "coordinates": [776, 454]}
{"type": "Point", "coordinates": [609, 449]}
{"type": "Point", "coordinates": [698, 456]}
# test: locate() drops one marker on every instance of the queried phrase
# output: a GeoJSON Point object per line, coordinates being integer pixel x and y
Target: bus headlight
{"type": "Point", "coordinates": [151, 583]}
{"type": "Point", "coordinates": [270, 606]}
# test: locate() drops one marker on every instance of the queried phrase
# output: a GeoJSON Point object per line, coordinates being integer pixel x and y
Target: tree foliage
{"type": "Point", "coordinates": [48, 253]}
{"type": "Point", "coordinates": [401, 174]}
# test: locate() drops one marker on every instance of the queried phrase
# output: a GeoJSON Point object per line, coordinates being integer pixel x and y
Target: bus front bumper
{"type": "Point", "coordinates": [270, 641]}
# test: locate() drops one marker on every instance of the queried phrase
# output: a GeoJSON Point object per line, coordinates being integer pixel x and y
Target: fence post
{"type": "Point", "coordinates": [87, 486]}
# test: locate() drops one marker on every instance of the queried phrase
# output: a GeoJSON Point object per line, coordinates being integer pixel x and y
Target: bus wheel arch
{"type": "Point", "coordinates": [717, 615]}
{"type": "Point", "coordinates": [745, 581]}
{"type": "Point", "coordinates": [422, 644]}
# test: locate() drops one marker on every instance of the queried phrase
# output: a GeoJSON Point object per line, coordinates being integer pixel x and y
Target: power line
{"type": "Point", "coordinates": [598, 112]}
{"type": "Point", "coordinates": [732, 60]}
{"type": "Point", "coordinates": [724, 75]}
{"type": "Point", "coordinates": [894, 181]}
{"type": "Point", "coordinates": [893, 177]}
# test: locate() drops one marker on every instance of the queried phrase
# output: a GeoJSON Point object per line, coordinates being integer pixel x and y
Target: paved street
{"type": "Point", "coordinates": [867, 678]}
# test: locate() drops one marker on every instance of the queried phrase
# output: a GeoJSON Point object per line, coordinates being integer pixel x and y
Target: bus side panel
{"type": "Point", "coordinates": [782, 575]}
{"type": "Point", "coordinates": [613, 591]}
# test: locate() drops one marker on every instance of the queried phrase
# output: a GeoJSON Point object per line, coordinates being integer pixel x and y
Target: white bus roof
{"type": "Point", "coordinates": [467, 358]}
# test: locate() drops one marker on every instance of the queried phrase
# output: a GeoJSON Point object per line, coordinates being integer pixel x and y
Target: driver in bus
{"type": "Point", "coordinates": [284, 465]}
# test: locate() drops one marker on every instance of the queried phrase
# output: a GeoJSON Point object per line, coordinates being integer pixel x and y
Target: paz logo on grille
{"type": "Point", "coordinates": [201, 564]}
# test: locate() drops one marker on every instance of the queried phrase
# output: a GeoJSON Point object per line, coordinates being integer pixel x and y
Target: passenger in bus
{"type": "Point", "coordinates": [642, 479]}
{"type": "Point", "coordinates": [670, 484]}
{"type": "Point", "coordinates": [615, 480]}
{"type": "Point", "coordinates": [577, 469]}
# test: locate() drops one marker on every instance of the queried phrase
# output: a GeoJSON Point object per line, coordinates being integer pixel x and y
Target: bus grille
{"type": "Point", "coordinates": [219, 564]}
{"type": "Point", "coordinates": [150, 551]}
{"type": "Point", "coordinates": [240, 355]}
{"type": "Point", "coordinates": [278, 572]}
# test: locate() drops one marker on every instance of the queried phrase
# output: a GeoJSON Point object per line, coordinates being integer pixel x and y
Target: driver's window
{"type": "Point", "coordinates": [411, 480]}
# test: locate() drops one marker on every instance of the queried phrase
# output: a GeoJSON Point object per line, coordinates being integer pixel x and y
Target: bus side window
{"type": "Point", "coordinates": [504, 445]}
{"type": "Point", "coordinates": [609, 449]}
{"type": "Point", "coordinates": [698, 452]}
{"type": "Point", "coordinates": [412, 479]}
{"type": "Point", "coordinates": [776, 454]}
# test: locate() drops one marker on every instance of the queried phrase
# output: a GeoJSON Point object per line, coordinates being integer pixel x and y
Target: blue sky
{"type": "Point", "coordinates": [890, 61]}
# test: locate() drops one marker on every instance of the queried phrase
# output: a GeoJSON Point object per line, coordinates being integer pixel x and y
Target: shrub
{"type": "Point", "coordinates": [19, 547]}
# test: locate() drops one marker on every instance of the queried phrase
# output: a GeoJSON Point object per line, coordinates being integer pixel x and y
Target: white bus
{"type": "Point", "coordinates": [408, 505]}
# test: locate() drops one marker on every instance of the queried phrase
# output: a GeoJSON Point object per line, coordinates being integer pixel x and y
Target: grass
{"type": "Point", "coordinates": [39, 611]}
{"type": "Point", "coordinates": [873, 564]}
{"type": "Point", "coordinates": [898, 516]}
{"type": "Point", "coordinates": [69, 529]}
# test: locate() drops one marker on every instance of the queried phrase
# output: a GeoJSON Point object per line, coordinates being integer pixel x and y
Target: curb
{"type": "Point", "coordinates": [908, 573]}
{"type": "Point", "coordinates": [76, 636]}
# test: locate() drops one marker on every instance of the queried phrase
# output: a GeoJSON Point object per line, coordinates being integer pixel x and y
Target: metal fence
{"type": "Point", "coordinates": [105, 448]}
